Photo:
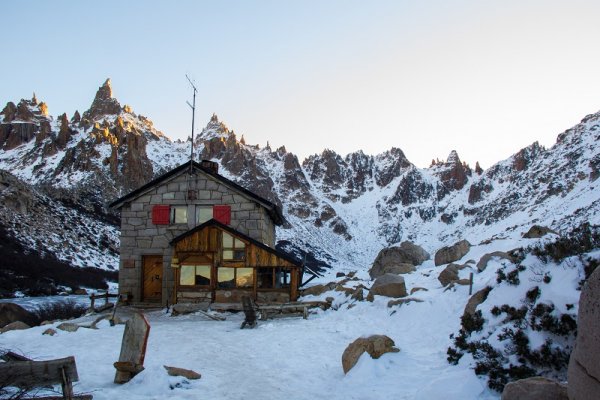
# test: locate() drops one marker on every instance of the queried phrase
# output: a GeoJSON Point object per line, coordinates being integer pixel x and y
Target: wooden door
{"type": "Point", "coordinates": [152, 278]}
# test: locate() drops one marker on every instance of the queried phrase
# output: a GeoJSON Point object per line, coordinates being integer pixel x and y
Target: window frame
{"type": "Point", "coordinates": [238, 248]}
{"type": "Point", "coordinates": [197, 212]}
{"type": "Point", "coordinates": [235, 270]}
{"type": "Point", "coordinates": [210, 279]}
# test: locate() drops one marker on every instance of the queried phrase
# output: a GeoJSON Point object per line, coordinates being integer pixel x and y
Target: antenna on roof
{"type": "Point", "coordinates": [193, 107]}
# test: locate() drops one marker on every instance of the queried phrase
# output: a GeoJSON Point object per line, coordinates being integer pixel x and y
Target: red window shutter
{"type": "Point", "coordinates": [160, 215]}
{"type": "Point", "coordinates": [222, 214]}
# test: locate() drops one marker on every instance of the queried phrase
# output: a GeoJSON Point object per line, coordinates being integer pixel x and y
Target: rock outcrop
{"type": "Point", "coordinates": [483, 261]}
{"type": "Point", "coordinates": [537, 231]}
{"type": "Point", "coordinates": [398, 260]}
{"type": "Point", "coordinates": [535, 388]}
{"type": "Point", "coordinates": [375, 346]}
{"type": "Point", "coordinates": [584, 364]}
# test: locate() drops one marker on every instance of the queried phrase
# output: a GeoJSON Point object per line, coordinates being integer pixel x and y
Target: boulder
{"type": "Point", "coordinates": [50, 332]}
{"type": "Point", "coordinates": [68, 327]}
{"type": "Point", "coordinates": [398, 260]}
{"type": "Point", "coordinates": [11, 312]}
{"type": "Point", "coordinates": [315, 290]}
{"type": "Point", "coordinates": [375, 346]}
{"type": "Point", "coordinates": [476, 300]}
{"type": "Point", "coordinates": [340, 275]}
{"type": "Point", "coordinates": [418, 288]}
{"type": "Point", "coordinates": [537, 231]}
{"type": "Point", "coordinates": [406, 300]}
{"type": "Point", "coordinates": [452, 253]}
{"type": "Point", "coordinates": [389, 285]}
{"type": "Point", "coordinates": [186, 373]}
{"type": "Point", "coordinates": [535, 388]}
{"type": "Point", "coordinates": [584, 365]}
{"type": "Point", "coordinates": [449, 275]}
{"type": "Point", "coordinates": [482, 264]}
{"type": "Point", "coordinates": [14, 326]}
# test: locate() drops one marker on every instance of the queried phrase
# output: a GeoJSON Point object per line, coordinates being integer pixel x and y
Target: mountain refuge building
{"type": "Point", "coordinates": [194, 236]}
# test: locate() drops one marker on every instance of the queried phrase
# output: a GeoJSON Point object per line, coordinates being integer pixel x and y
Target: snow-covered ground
{"type": "Point", "coordinates": [301, 359]}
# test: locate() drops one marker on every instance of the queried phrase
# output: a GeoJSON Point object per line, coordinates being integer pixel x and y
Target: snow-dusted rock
{"type": "Point", "coordinates": [535, 388]}
{"type": "Point", "coordinates": [375, 345]}
{"type": "Point", "coordinates": [452, 253]}
{"type": "Point", "coordinates": [482, 264]}
{"type": "Point", "coordinates": [476, 300]}
{"type": "Point", "coordinates": [15, 326]}
{"type": "Point", "coordinates": [10, 312]}
{"type": "Point", "coordinates": [537, 231]}
{"type": "Point", "coordinates": [68, 327]}
{"type": "Point", "coordinates": [449, 275]}
{"type": "Point", "coordinates": [584, 365]}
{"type": "Point", "coordinates": [390, 285]}
{"type": "Point", "coordinates": [398, 260]}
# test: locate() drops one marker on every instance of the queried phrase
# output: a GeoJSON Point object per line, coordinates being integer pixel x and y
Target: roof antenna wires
{"type": "Point", "coordinates": [193, 107]}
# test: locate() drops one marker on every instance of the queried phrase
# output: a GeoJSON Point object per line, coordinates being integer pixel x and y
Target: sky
{"type": "Point", "coordinates": [485, 78]}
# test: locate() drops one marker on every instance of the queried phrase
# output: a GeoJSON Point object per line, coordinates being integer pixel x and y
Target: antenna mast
{"type": "Point", "coordinates": [193, 107]}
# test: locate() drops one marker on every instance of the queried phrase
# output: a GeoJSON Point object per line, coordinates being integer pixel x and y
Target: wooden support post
{"type": "Point", "coordinates": [470, 283]}
{"type": "Point", "coordinates": [92, 300]}
{"type": "Point", "coordinates": [66, 384]}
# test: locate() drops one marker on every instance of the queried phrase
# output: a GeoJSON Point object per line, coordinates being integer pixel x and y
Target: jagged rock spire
{"type": "Point", "coordinates": [453, 158]}
{"type": "Point", "coordinates": [103, 104]}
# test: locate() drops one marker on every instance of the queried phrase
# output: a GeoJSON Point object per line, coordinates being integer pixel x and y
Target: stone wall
{"type": "Point", "coordinates": [139, 236]}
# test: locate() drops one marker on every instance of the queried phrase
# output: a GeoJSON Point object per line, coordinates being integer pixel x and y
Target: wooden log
{"type": "Point", "coordinates": [39, 373]}
{"type": "Point", "coordinates": [10, 356]}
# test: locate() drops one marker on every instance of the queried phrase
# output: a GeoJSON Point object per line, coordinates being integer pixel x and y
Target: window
{"type": "Point", "coordinates": [203, 214]}
{"type": "Point", "coordinates": [273, 278]}
{"type": "Point", "coordinates": [229, 278]}
{"type": "Point", "coordinates": [195, 275]}
{"type": "Point", "coordinates": [233, 248]}
{"type": "Point", "coordinates": [179, 215]}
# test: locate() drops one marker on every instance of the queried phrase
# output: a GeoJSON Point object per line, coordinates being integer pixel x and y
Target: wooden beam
{"type": "Point", "coordinates": [39, 373]}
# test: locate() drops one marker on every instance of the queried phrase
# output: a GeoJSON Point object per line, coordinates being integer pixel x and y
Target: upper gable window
{"type": "Point", "coordinates": [233, 248]}
{"type": "Point", "coordinates": [179, 215]}
{"type": "Point", "coordinates": [203, 214]}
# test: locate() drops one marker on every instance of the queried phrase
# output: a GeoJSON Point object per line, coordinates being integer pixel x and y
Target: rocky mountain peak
{"type": "Point", "coordinates": [214, 129]}
{"type": "Point", "coordinates": [103, 104]}
{"type": "Point", "coordinates": [453, 158]}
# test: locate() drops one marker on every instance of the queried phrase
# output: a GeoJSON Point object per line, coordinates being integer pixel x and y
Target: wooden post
{"type": "Point", "coordinates": [470, 283]}
{"type": "Point", "coordinates": [66, 384]}
{"type": "Point", "coordinates": [92, 300]}
{"type": "Point", "coordinates": [133, 348]}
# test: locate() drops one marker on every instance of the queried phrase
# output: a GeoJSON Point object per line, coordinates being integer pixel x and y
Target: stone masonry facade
{"type": "Point", "coordinates": [140, 237]}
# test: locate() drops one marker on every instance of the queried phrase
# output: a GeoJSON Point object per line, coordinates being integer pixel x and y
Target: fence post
{"type": "Point", "coordinates": [470, 283]}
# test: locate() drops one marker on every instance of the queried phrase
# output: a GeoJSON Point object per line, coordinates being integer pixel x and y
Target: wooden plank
{"type": "Point", "coordinates": [39, 373]}
{"type": "Point", "coordinates": [133, 348]}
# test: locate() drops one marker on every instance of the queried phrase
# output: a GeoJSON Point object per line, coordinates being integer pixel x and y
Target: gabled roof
{"type": "Point", "coordinates": [273, 211]}
{"type": "Point", "coordinates": [227, 228]}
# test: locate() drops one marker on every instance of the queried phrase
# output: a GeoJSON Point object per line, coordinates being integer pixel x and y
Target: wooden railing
{"type": "Point", "coordinates": [106, 305]}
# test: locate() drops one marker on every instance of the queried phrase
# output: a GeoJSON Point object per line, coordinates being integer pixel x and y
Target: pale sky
{"type": "Point", "coordinates": [483, 77]}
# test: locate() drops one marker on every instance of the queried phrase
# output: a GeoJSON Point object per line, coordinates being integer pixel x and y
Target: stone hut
{"type": "Point", "coordinates": [193, 236]}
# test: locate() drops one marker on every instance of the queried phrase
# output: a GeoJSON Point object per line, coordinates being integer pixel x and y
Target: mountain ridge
{"type": "Point", "coordinates": [343, 209]}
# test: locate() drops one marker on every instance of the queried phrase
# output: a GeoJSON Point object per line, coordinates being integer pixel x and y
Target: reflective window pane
{"type": "Point", "coordinates": [244, 277]}
{"type": "Point", "coordinates": [225, 277]}
{"type": "Point", "coordinates": [187, 275]}
{"type": "Point", "coordinates": [203, 275]}
{"type": "Point", "coordinates": [227, 240]}
{"type": "Point", "coordinates": [265, 278]}
{"type": "Point", "coordinates": [203, 214]}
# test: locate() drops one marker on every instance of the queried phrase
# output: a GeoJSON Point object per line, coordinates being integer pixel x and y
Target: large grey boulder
{"type": "Point", "coordinates": [536, 388]}
{"type": "Point", "coordinates": [188, 308]}
{"type": "Point", "coordinates": [10, 312]}
{"type": "Point", "coordinates": [448, 275]}
{"type": "Point", "coordinates": [452, 253]}
{"type": "Point", "coordinates": [398, 260]}
{"type": "Point", "coordinates": [375, 346]}
{"type": "Point", "coordinates": [584, 365]}
{"type": "Point", "coordinates": [389, 285]}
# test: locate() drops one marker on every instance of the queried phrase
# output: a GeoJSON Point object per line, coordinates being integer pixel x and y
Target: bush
{"type": "Point", "coordinates": [60, 310]}
{"type": "Point", "coordinates": [579, 240]}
